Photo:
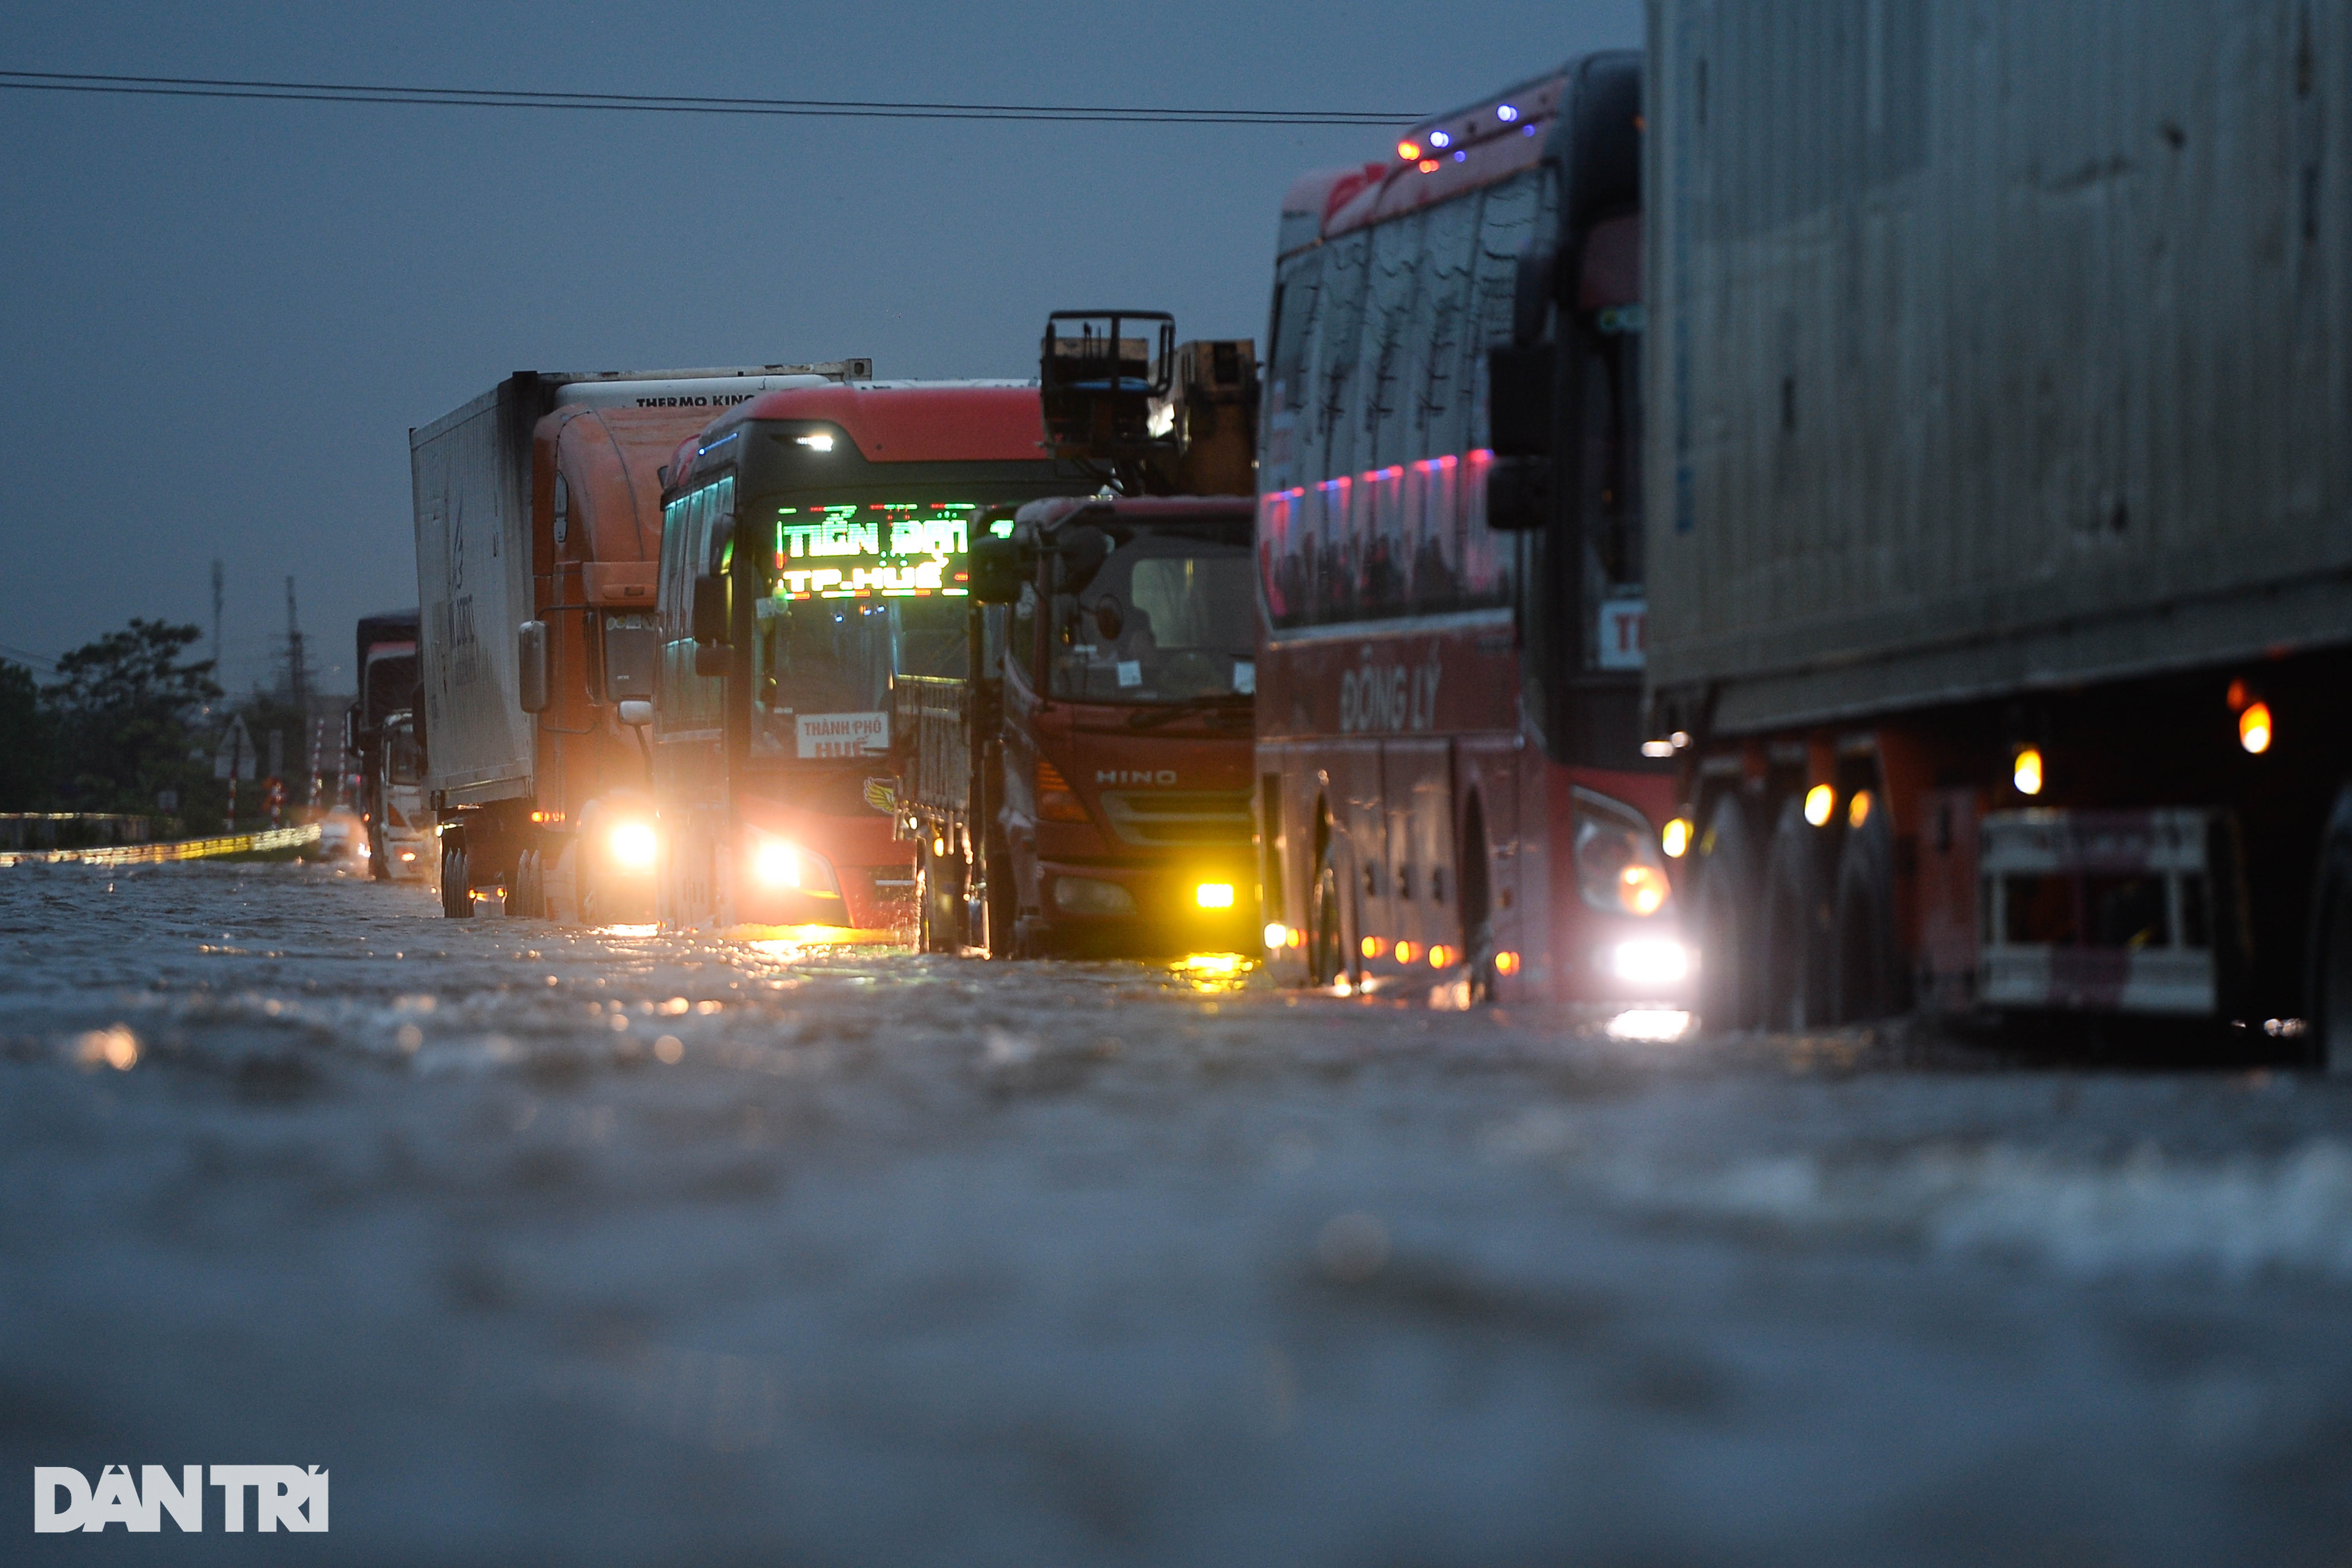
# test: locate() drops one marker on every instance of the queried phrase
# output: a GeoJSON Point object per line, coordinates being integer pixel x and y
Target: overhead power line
{"type": "Point", "coordinates": [665, 104]}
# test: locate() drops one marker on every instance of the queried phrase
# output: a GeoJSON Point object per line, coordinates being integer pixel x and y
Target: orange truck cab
{"type": "Point", "coordinates": [1125, 688]}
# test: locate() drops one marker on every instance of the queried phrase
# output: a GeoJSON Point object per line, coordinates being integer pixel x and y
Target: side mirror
{"type": "Point", "coordinates": [709, 611]}
{"type": "Point", "coordinates": [636, 713]}
{"type": "Point", "coordinates": [1518, 400]}
{"type": "Point", "coordinates": [996, 574]}
{"type": "Point", "coordinates": [1519, 494]}
{"type": "Point", "coordinates": [712, 658]}
{"type": "Point", "coordinates": [1531, 291]}
{"type": "Point", "coordinates": [531, 666]}
{"type": "Point", "coordinates": [352, 730]}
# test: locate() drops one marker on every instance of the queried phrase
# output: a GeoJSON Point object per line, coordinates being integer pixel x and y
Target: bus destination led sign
{"type": "Point", "coordinates": [894, 550]}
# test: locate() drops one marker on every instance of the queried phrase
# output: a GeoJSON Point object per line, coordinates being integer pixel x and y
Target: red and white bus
{"type": "Point", "coordinates": [814, 547]}
{"type": "Point", "coordinates": [1453, 792]}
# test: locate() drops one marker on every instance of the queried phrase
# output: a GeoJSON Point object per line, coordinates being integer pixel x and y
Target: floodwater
{"type": "Point", "coordinates": [629, 1249]}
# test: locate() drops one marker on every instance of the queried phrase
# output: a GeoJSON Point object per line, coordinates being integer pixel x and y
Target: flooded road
{"type": "Point", "coordinates": [631, 1248]}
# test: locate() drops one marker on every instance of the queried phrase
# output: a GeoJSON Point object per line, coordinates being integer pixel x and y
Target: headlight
{"type": "Point", "coordinates": [780, 866]}
{"type": "Point", "coordinates": [1214, 894]}
{"type": "Point", "coordinates": [1650, 962]}
{"type": "Point", "coordinates": [633, 846]}
{"type": "Point", "coordinates": [1617, 864]}
{"type": "Point", "coordinates": [777, 863]}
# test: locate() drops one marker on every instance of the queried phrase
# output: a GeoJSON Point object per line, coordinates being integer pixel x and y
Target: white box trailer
{"type": "Point", "coordinates": [1997, 377]}
{"type": "Point", "coordinates": [473, 472]}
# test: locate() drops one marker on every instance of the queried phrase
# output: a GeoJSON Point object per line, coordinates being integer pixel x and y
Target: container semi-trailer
{"type": "Point", "coordinates": [538, 513]}
{"type": "Point", "coordinates": [2000, 544]}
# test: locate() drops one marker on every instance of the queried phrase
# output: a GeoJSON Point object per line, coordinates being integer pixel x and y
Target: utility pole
{"type": "Point", "coordinates": [296, 676]}
{"type": "Point", "coordinates": [217, 617]}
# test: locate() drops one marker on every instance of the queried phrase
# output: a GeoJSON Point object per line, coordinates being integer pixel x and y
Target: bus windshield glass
{"type": "Point", "coordinates": [857, 593]}
{"type": "Point", "coordinates": [1163, 617]}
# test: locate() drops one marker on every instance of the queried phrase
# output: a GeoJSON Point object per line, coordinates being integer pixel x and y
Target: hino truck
{"type": "Point", "coordinates": [538, 512]}
{"type": "Point", "coordinates": [1084, 787]}
{"type": "Point", "coordinates": [2000, 548]}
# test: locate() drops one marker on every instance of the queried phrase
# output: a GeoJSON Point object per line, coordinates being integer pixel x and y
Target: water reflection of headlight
{"type": "Point", "coordinates": [632, 844]}
{"type": "Point", "coordinates": [1660, 1024]}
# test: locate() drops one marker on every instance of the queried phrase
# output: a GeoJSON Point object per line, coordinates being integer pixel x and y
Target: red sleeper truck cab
{"type": "Point", "coordinates": [814, 552]}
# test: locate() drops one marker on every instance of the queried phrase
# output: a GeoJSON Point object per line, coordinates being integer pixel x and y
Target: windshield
{"type": "Point", "coordinates": [861, 592]}
{"type": "Point", "coordinates": [1164, 617]}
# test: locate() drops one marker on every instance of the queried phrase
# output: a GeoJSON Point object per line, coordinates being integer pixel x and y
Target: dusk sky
{"type": "Point", "coordinates": [223, 316]}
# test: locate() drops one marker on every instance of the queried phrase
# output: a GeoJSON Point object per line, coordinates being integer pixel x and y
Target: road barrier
{"type": "Point", "coordinates": [179, 849]}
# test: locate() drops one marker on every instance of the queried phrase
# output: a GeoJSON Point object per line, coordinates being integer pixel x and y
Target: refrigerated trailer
{"type": "Point", "coordinates": [2000, 548]}
{"type": "Point", "coordinates": [538, 510]}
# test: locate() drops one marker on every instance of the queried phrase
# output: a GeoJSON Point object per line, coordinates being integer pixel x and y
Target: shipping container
{"type": "Point", "coordinates": [1996, 380]}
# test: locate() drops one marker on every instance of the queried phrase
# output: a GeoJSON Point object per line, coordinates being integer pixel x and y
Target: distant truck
{"type": "Point", "coordinates": [2000, 546]}
{"type": "Point", "coordinates": [538, 513]}
{"type": "Point", "coordinates": [398, 832]}
{"type": "Point", "coordinates": [1085, 789]}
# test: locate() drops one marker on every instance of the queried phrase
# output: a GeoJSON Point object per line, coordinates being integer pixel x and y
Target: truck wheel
{"type": "Point", "coordinates": [999, 903]}
{"type": "Point", "coordinates": [2327, 989]}
{"type": "Point", "coordinates": [1326, 949]}
{"type": "Point", "coordinates": [938, 901]}
{"type": "Point", "coordinates": [1865, 978]}
{"type": "Point", "coordinates": [529, 900]}
{"type": "Point", "coordinates": [1726, 921]}
{"type": "Point", "coordinates": [1796, 926]}
{"type": "Point", "coordinates": [457, 897]}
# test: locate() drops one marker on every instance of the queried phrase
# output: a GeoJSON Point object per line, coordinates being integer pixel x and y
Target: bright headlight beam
{"type": "Point", "coordinates": [1650, 962]}
{"type": "Point", "coordinates": [633, 844]}
{"type": "Point", "coordinates": [777, 865]}
{"type": "Point", "coordinates": [1214, 894]}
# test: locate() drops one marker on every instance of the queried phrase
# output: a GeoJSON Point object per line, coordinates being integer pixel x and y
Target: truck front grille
{"type": "Point", "coordinates": [1180, 818]}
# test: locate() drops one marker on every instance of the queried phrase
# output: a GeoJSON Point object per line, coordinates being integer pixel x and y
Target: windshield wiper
{"type": "Point", "coordinates": [1153, 718]}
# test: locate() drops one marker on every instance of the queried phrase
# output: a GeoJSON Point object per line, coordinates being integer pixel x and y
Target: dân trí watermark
{"type": "Point", "coordinates": [285, 1496]}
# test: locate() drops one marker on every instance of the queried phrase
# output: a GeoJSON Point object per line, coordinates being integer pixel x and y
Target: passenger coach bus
{"type": "Point", "coordinates": [813, 547]}
{"type": "Point", "coordinates": [1452, 789]}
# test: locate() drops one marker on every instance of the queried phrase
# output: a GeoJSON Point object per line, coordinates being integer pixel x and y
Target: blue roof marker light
{"type": "Point", "coordinates": [1506, 112]}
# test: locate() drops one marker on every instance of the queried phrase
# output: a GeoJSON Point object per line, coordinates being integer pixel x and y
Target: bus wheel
{"type": "Point", "coordinates": [1476, 905]}
{"type": "Point", "coordinates": [1864, 979]}
{"type": "Point", "coordinates": [2328, 990]}
{"type": "Point", "coordinates": [1326, 951]}
{"type": "Point", "coordinates": [1726, 919]}
{"type": "Point", "coordinates": [1795, 945]}
{"type": "Point", "coordinates": [457, 897]}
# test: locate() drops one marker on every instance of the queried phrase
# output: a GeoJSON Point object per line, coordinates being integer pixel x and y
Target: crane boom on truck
{"type": "Point", "coordinates": [538, 530]}
{"type": "Point", "coordinates": [2002, 560]}
{"type": "Point", "coordinates": [1084, 787]}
